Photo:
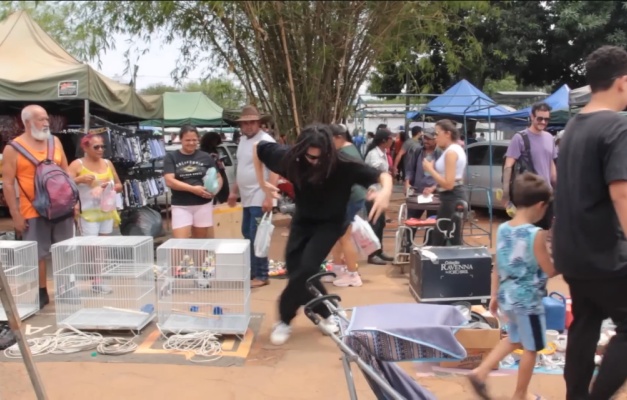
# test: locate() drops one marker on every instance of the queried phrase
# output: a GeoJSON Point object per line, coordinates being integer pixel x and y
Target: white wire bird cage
{"type": "Point", "coordinates": [21, 267]}
{"type": "Point", "coordinates": [204, 285]}
{"type": "Point", "coordinates": [104, 283]}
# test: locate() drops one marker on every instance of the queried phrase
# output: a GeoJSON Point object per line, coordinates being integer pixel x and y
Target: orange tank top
{"type": "Point", "coordinates": [26, 176]}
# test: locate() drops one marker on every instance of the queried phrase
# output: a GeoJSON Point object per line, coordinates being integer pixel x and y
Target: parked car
{"type": "Point", "coordinates": [478, 174]}
{"type": "Point", "coordinates": [228, 154]}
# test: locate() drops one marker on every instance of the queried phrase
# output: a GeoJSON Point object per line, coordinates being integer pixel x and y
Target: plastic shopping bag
{"type": "Point", "coordinates": [108, 198]}
{"type": "Point", "coordinates": [211, 181]}
{"type": "Point", "coordinates": [264, 236]}
{"type": "Point", "coordinates": [364, 237]}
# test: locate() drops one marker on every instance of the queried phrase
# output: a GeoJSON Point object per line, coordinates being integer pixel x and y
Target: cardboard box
{"type": "Point", "coordinates": [478, 344]}
{"type": "Point", "coordinates": [227, 221]}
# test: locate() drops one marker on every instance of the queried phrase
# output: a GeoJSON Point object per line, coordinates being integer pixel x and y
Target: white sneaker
{"type": "Point", "coordinates": [348, 279]}
{"type": "Point", "coordinates": [280, 334]}
{"type": "Point", "coordinates": [330, 325]}
{"type": "Point", "coordinates": [338, 269]}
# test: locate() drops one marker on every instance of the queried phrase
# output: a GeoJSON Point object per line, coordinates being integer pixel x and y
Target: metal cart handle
{"type": "Point", "coordinates": [309, 312]}
{"type": "Point", "coordinates": [316, 278]}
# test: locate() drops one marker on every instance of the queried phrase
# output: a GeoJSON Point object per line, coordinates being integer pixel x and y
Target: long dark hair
{"type": "Point", "coordinates": [380, 137]}
{"type": "Point", "coordinates": [299, 170]}
{"type": "Point", "coordinates": [210, 141]}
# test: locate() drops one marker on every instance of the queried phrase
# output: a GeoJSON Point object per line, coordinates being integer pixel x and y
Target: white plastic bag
{"type": "Point", "coordinates": [108, 198]}
{"type": "Point", "coordinates": [264, 236]}
{"type": "Point", "coordinates": [364, 237]}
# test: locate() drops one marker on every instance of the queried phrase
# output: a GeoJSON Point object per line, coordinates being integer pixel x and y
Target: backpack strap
{"type": "Point", "coordinates": [25, 153]}
{"type": "Point", "coordinates": [50, 148]}
{"type": "Point", "coordinates": [527, 150]}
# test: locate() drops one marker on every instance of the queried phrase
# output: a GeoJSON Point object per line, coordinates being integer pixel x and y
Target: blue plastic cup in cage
{"type": "Point", "coordinates": [193, 309]}
{"type": "Point", "coordinates": [148, 308]}
{"type": "Point", "coordinates": [217, 310]}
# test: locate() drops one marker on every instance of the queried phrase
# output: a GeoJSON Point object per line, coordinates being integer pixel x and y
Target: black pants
{"type": "Point", "coordinates": [448, 203]}
{"type": "Point", "coordinates": [378, 227]}
{"type": "Point", "coordinates": [306, 249]}
{"type": "Point", "coordinates": [592, 302]}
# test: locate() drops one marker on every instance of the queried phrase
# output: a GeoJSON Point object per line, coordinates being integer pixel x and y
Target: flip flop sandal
{"type": "Point", "coordinates": [479, 387]}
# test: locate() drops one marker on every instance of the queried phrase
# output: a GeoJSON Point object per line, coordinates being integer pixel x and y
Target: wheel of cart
{"type": "Point", "coordinates": [408, 229]}
{"type": "Point", "coordinates": [376, 337]}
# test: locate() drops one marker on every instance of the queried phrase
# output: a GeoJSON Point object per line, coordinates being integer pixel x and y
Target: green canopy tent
{"type": "Point", "coordinates": [36, 69]}
{"type": "Point", "coordinates": [193, 108]}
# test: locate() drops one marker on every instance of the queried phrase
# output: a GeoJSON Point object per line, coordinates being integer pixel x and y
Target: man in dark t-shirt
{"type": "Point", "coordinates": [589, 244]}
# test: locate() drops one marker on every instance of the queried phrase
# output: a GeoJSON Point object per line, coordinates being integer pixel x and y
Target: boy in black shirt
{"type": "Point", "coordinates": [589, 244]}
{"type": "Point", "coordinates": [322, 179]}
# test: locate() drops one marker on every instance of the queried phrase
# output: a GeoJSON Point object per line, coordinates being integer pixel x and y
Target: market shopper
{"type": "Point", "coordinates": [345, 256]}
{"type": "Point", "coordinates": [377, 157]}
{"type": "Point", "coordinates": [95, 177]}
{"type": "Point", "coordinates": [18, 169]}
{"type": "Point", "coordinates": [539, 158]}
{"type": "Point", "coordinates": [255, 201]}
{"type": "Point", "coordinates": [589, 244]}
{"type": "Point", "coordinates": [192, 203]}
{"type": "Point", "coordinates": [416, 178]}
{"type": "Point", "coordinates": [323, 179]}
{"type": "Point", "coordinates": [448, 173]}
{"type": "Point", "coordinates": [523, 266]}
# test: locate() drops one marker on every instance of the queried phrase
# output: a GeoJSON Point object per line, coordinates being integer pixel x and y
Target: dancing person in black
{"type": "Point", "coordinates": [322, 179]}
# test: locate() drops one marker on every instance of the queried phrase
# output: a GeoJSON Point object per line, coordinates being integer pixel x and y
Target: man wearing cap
{"type": "Point", "coordinates": [254, 200]}
{"type": "Point", "coordinates": [415, 176]}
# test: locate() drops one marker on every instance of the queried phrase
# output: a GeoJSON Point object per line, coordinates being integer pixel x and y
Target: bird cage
{"type": "Point", "coordinates": [104, 283]}
{"type": "Point", "coordinates": [204, 285]}
{"type": "Point", "coordinates": [21, 266]}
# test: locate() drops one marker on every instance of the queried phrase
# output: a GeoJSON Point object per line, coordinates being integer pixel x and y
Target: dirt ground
{"type": "Point", "coordinates": [307, 367]}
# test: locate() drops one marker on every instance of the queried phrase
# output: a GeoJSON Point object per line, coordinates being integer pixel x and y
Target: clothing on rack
{"type": "Point", "coordinates": [138, 192]}
{"type": "Point", "coordinates": [137, 149]}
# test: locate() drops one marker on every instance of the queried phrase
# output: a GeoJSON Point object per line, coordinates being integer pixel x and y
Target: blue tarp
{"type": "Point", "coordinates": [558, 101]}
{"type": "Point", "coordinates": [463, 100]}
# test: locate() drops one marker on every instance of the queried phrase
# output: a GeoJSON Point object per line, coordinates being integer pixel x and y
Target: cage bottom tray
{"type": "Point", "coordinates": [23, 311]}
{"type": "Point", "coordinates": [224, 324]}
{"type": "Point", "coordinates": [107, 319]}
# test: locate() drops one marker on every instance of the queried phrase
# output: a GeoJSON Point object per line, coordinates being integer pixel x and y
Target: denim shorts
{"type": "Point", "coordinates": [353, 208]}
{"type": "Point", "coordinates": [528, 330]}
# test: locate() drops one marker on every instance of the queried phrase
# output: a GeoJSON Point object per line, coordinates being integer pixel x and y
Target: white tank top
{"type": "Point", "coordinates": [460, 164]}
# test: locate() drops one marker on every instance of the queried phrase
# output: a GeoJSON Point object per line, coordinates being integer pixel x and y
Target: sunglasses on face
{"type": "Point", "coordinates": [542, 119]}
{"type": "Point", "coordinates": [311, 157]}
{"type": "Point", "coordinates": [99, 147]}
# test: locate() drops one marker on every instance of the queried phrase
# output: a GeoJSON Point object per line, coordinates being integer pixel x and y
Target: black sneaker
{"type": "Point", "coordinates": [7, 338]}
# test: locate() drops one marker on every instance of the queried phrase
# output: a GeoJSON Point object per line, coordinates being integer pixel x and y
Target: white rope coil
{"type": "Point", "coordinates": [204, 344]}
{"type": "Point", "coordinates": [73, 341]}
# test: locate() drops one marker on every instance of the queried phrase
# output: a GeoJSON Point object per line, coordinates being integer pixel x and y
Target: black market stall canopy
{"type": "Point", "coordinates": [34, 68]}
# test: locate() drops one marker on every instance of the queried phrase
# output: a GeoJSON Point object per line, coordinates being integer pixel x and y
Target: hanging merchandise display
{"type": "Point", "coordinates": [135, 154]}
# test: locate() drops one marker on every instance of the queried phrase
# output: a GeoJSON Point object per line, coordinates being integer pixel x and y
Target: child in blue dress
{"type": "Point", "coordinates": [523, 266]}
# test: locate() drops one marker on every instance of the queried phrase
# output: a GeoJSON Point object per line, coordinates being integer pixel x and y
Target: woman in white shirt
{"type": "Point", "coordinates": [376, 156]}
{"type": "Point", "coordinates": [448, 173]}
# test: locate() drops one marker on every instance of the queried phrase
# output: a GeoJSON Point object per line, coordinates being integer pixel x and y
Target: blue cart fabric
{"type": "Point", "coordinates": [387, 333]}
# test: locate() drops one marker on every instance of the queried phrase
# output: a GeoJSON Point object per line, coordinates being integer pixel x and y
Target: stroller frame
{"type": "Point", "coordinates": [331, 301]}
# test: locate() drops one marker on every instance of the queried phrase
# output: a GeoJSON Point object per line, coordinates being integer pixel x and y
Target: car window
{"type": "Point", "coordinates": [233, 150]}
{"type": "Point", "coordinates": [498, 154]}
{"type": "Point", "coordinates": [477, 155]}
{"type": "Point", "coordinates": [225, 157]}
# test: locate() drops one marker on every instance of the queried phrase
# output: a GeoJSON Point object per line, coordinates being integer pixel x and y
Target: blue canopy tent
{"type": "Point", "coordinates": [558, 102]}
{"type": "Point", "coordinates": [462, 100]}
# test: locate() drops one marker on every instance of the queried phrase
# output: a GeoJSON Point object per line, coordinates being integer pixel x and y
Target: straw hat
{"type": "Point", "coordinates": [249, 113]}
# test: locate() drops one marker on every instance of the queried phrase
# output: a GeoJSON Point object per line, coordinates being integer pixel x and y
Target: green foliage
{"type": "Point", "coordinates": [507, 84]}
{"type": "Point", "coordinates": [327, 47]}
{"type": "Point", "coordinates": [539, 43]}
{"type": "Point", "coordinates": [159, 88]}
